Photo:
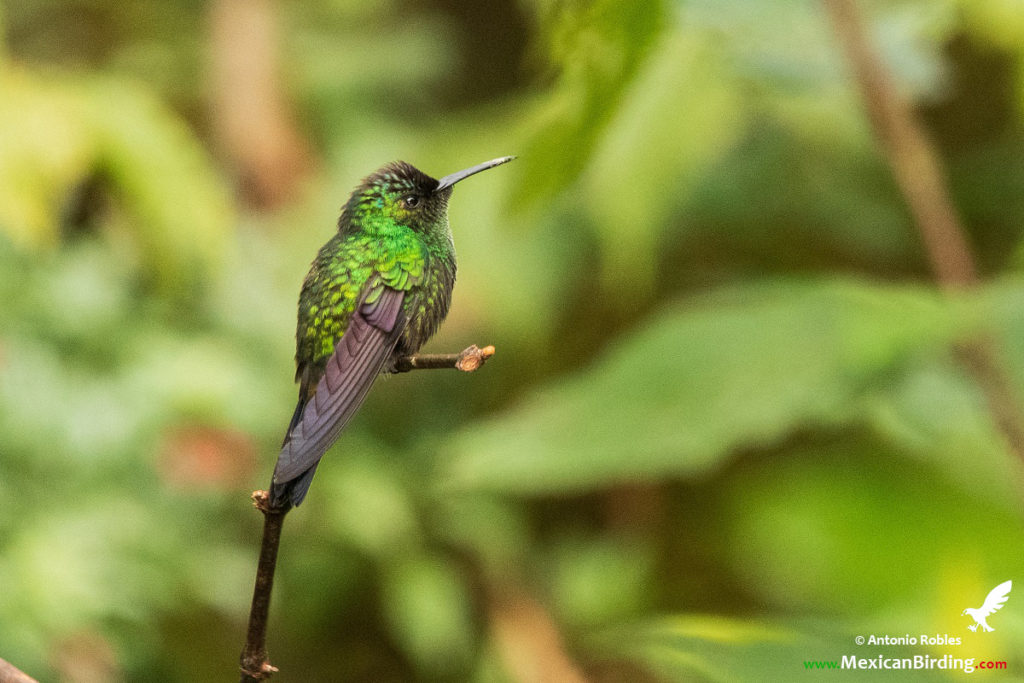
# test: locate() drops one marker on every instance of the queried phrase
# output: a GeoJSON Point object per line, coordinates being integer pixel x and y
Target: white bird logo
{"type": "Point", "coordinates": [995, 600]}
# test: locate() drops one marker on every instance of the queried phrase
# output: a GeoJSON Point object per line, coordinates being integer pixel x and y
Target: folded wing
{"type": "Point", "coordinates": [371, 336]}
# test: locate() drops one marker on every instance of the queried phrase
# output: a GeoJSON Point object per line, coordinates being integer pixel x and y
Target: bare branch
{"type": "Point", "coordinates": [11, 674]}
{"type": "Point", "coordinates": [982, 360]}
{"type": "Point", "coordinates": [917, 170]}
{"type": "Point", "coordinates": [249, 101]}
{"type": "Point", "coordinates": [468, 360]}
{"type": "Point", "coordinates": [528, 640]}
{"type": "Point", "coordinates": [913, 161]}
{"type": "Point", "coordinates": [253, 662]}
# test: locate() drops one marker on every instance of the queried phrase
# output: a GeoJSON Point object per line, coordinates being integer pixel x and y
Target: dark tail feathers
{"type": "Point", "coordinates": [291, 493]}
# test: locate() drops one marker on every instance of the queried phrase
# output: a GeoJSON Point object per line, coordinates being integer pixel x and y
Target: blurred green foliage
{"type": "Point", "coordinates": [724, 432]}
{"type": "Point", "coordinates": [61, 134]}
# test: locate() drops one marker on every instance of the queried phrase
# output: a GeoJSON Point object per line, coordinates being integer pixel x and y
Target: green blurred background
{"type": "Point", "coordinates": [724, 431]}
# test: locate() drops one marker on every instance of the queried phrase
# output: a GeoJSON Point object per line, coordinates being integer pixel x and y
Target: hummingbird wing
{"type": "Point", "coordinates": [996, 598]}
{"type": "Point", "coordinates": [371, 336]}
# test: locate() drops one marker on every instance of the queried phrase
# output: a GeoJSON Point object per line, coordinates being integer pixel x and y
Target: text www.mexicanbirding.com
{"type": "Point", "coordinates": [916, 663]}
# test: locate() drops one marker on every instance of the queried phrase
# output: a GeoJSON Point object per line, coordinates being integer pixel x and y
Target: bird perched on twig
{"type": "Point", "coordinates": [377, 290]}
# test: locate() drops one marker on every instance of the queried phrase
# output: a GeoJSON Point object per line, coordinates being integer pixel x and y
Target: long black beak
{"type": "Point", "coordinates": [453, 178]}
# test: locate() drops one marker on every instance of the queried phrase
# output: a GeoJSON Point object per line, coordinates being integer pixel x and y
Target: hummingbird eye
{"type": "Point", "coordinates": [411, 201]}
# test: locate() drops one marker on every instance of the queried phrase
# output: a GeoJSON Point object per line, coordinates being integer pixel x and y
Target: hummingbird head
{"type": "Point", "coordinates": [401, 193]}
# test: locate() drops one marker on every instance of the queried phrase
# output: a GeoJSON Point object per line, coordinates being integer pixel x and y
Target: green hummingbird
{"type": "Point", "coordinates": [376, 291]}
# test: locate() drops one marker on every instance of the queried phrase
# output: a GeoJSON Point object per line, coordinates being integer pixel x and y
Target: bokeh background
{"type": "Point", "coordinates": [725, 429]}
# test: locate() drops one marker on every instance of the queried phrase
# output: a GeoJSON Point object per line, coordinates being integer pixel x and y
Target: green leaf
{"type": "Point", "coordinates": [368, 505]}
{"type": "Point", "coordinates": [429, 611]}
{"type": "Point", "coordinates": [936, 413]}
{"type": "Point", "coordinates": [45, 148]}
{"type": "Point", "coordinates": [999, 22]}
{"type": "Point", "coordinates": [701, 381]}
{"type": "Point", "coordinates": [601, 581]}
{"type": "Point", "coordinates": [647, 163]}
{"type": "Point", "coordinates": [599, 48]}
{"type": "Point", "coordinates": [55, 135]}
{"type": "Point", "coordinates": [494, 531]}
{"type": "Point", "coordinates": [848, 529]}
{"type": "Point", "coordinates": [180, 210]}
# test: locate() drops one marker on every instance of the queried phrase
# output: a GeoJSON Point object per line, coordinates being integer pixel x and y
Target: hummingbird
{"type": "Point", "coordinates": [376, 292]}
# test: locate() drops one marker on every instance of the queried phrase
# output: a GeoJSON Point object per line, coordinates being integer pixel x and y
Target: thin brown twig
{"type": "Point", "coordinates": [912, 158]}
{"type": "Point", "coordinates": [527, 639]}
{"type": "Point", "coordinates": [12, 674]}
{"type": "Point", "coordinates": [467, 360]}
{"type": "Point", "coordinates": [918, 172]}
{"type": "Point", "coordinates": [983, 361]}
{"type": "Point", "coordinates": [254, 662]}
